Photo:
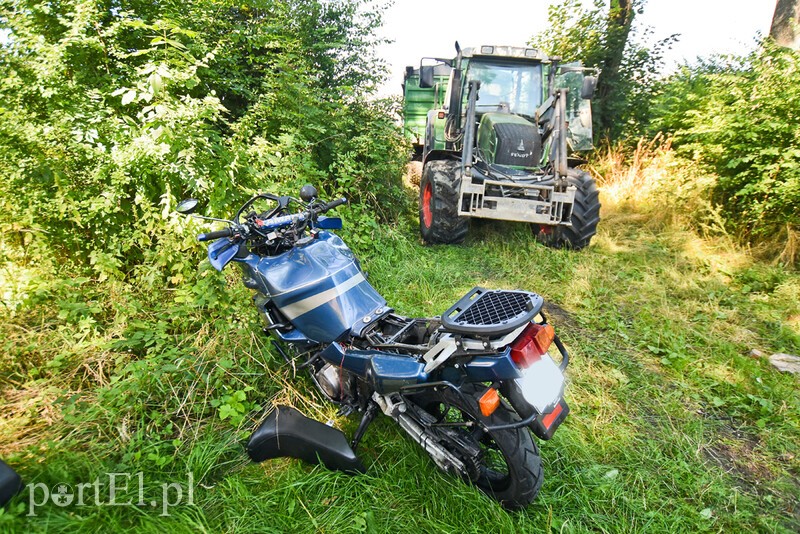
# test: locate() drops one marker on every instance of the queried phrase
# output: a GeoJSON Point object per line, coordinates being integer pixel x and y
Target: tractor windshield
{"type": "Point", "coordinates": [510, 87]}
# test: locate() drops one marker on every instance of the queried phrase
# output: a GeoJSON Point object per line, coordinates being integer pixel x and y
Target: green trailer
{"type": "Point", "coordinates": [417, 101]}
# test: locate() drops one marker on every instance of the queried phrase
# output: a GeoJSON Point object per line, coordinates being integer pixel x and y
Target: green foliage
{"type": "Point", "coordinates": [110, 113]}
{"type": "Point", "coordinates": [119, 354]}
{"type": "Point", "coordinates": [658, 325]}
{"type": "Point", "coordinates": [587, 34]}
{"type": "Point", "coordinates": [738, 118]}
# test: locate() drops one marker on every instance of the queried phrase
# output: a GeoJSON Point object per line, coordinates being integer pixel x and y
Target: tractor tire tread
{"type": "Point", "coordinates": [447, 227]}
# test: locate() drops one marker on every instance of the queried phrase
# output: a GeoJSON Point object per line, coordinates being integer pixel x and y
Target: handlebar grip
{"type": "Point", "coordinates": [334, 203]}
{"type": "Point", "coordinates": [225, 232]}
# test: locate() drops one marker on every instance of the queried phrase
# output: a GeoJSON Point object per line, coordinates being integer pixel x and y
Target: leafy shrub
{"type": "Point", "coordinates": [738, 118]}
{"type": "Point", "coordinates": [112, 112]}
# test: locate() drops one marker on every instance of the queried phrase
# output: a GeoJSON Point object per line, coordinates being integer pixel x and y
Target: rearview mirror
{"type": "Point", "coordinates": [187, 206]}
{"type": "Point", "coordinates": [425, 76]}
{"type": "Point", "coordinates": [589, 85]}
{"type": "Point", "coordinates": [308, 193]}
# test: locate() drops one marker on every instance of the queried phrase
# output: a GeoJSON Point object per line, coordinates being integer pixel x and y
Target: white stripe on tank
{"type": "Point", "coordinates": [296, 309]}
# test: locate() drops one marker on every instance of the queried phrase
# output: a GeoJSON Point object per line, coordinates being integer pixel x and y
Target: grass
{"type": "Point", "coordinates": [674, 427]}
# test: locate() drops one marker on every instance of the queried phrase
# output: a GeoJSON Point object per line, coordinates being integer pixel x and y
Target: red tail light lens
{"type": "Point", "coordinates": [532, 344]}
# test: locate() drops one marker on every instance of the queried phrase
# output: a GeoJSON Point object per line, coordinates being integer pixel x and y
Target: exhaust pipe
{"type": "Point", "coordinates": [441, 456]}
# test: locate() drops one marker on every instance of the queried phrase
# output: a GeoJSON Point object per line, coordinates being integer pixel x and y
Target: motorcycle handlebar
{"type": "Point", "coordinates": [286, 220]}
{"type": "Point", "coordinates": [225, 232]}
{"type": "Point", "coordinates": [333, 204]}
{"type": "Point", "coordinates": [277, 222]}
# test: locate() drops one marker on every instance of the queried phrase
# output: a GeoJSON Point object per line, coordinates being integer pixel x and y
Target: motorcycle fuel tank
{"type": "Point", "coordinates": [318, 286]}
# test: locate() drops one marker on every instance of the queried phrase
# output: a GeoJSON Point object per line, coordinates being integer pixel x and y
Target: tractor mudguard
{"type": "Point", "coordinates": [287, 432]}
{"type": "Point", "coordinates": [10, 483]}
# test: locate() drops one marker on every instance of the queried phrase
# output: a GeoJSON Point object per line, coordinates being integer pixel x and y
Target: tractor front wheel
{"type": "Point", "coordinates": [584, 218]}
{"type": "Point", "coordinates": [438, 203]}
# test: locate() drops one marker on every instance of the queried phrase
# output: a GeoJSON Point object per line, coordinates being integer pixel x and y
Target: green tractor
{"type": "Point", "coordinates": [503, 146]}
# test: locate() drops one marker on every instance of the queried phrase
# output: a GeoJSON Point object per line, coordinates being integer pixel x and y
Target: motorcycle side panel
{"type": "Point", "coordinates": [491, 368]}
{"type": "Point", "coordinates": [318, 286]}
{"type": "Point", "coordinates": [390, 373]}
{"type": "Point", "coordinates": [355, 361]}
{"type": "Point", "coordinates": [386, 372]}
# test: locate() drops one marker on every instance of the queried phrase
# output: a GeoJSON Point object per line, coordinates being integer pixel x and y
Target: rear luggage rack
{"type": "Point", "coordinates": [485, 312]}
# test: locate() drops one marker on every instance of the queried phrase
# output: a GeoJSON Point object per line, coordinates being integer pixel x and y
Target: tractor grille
{"type": "Point", "coordinates": [491, 312]}
{"type": "Point", "coordinates": [518, 144]}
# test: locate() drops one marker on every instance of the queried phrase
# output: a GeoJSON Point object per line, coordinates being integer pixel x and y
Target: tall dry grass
{"type": "Point", "coordinates": [652, 182]}
{"type": "Point", "coordinates": [651, 179]}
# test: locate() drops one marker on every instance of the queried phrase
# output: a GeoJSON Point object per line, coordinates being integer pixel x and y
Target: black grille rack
{"type": "Point", "coordinates": [490, 313]}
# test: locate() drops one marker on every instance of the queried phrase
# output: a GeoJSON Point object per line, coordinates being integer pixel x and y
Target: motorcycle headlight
{"type": "Point", "coordinates": [541, 384]}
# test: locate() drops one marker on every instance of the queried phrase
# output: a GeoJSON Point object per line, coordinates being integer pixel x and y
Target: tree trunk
{"type": "Point", "coordinates": [785, 23]}
{"type": "Point", "coordinates": [607, 108]}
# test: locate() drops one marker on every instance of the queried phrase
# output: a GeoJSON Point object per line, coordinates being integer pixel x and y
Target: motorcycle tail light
{"type": "Point", "coordinates": [532, 344]}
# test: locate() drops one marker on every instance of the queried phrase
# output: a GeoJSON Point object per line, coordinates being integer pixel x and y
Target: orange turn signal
{"type": "Point", "coordinates": [489, 402]}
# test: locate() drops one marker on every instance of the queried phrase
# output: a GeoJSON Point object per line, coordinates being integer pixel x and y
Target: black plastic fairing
{"type": "Point", "coordinates": [287, 432]}
{"type": "Point", "coordinates": [10, 483]}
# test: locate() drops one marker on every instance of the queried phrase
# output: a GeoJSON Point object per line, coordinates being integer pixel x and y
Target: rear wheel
{"type": "Point", "coordinates": [438, 203]}
{"type": "Point", "coordinates": [504, 464]}
{"type": "Point", "coordinates": [585, 216]}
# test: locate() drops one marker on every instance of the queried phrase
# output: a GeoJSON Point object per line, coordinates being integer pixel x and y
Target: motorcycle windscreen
{"type": "Point", "coordinates": [320, 288]}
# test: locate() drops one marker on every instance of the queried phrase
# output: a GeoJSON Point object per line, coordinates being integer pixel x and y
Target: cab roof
{"type": "Point", "coordinates": [517, 52]}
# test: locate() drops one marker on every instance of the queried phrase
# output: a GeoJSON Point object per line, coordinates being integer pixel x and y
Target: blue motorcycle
{"type": "Point", "coordinates": [468, 386]}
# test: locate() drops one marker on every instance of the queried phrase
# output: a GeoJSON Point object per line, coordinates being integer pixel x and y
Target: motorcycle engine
{"type": "Point", "coordinates": [330, 380]}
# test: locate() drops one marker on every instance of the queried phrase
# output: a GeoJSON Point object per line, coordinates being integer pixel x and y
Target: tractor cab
{"type": "Point", "coordinates": [506, 86]}
{"type": "Point", "coordinates": [511, 81]}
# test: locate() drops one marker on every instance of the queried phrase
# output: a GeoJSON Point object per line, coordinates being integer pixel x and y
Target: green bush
{"type": "Point", "coordinates": [739, 119]}
{"type": "Point", "coordinates": [112, 111]}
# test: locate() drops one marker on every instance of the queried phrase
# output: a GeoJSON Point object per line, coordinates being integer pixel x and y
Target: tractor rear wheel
{"type": "Point", "coordinates": [585, 216]}
{"type": "Point", "coordinates": [438, 203]}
